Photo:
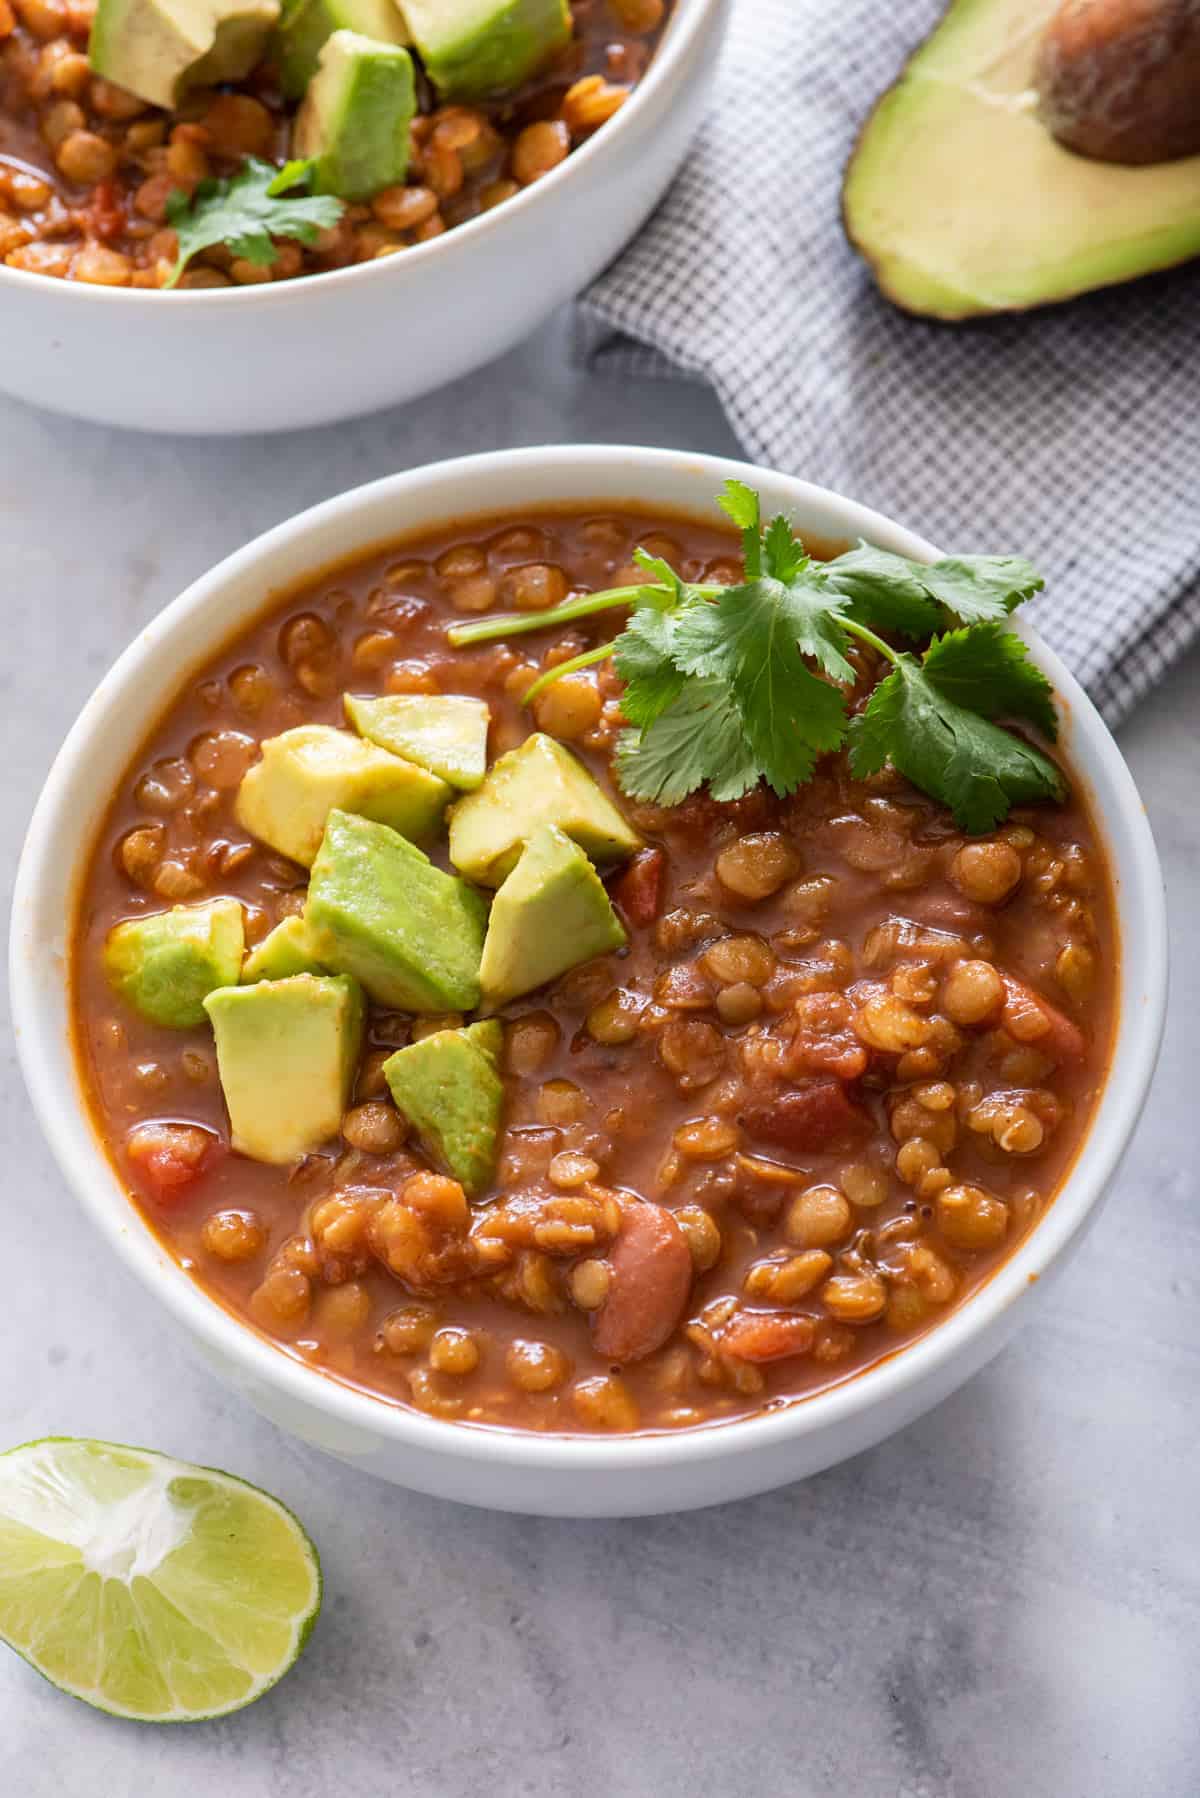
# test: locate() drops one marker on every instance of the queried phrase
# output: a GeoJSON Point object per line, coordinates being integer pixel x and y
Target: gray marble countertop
{"type": "Point", "coordinates": [1002, 1600]}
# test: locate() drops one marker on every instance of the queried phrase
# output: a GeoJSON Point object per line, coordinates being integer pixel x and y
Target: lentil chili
{"type": "Point", "coordinates": [86, 169]}
{"type": "Point", "coordinates": [836, 1077]}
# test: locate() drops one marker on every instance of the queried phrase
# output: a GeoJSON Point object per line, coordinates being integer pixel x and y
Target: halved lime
{"type": "Point", "coordinates": [146, 1586]}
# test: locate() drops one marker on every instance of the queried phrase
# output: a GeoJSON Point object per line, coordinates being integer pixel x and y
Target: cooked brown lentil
{"type": "Point", "coordinates": [86, 170]}
{"type": "Point", "coordinates": [801, 1115]}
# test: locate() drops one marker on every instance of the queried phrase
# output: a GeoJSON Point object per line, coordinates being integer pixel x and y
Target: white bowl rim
{"type": "Point", "coordinates": [79, 1152]}
{"type": "Point", "coordinates": [684, 24]}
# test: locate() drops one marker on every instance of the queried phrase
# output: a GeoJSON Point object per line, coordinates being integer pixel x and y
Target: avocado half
{"type": "Point", "coordinates": [963, 203]}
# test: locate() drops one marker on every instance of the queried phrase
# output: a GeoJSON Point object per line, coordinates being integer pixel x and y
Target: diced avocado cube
{"type": "Point", "coordinates": [379, 909]}
{"type": "Point", "coordinates": [475, 48]}
{"type": "Point", "coordinates": [449, 1088]}
{"type": "Point", "coordinates": [446, 733]}
{"type": "Point", "coordinates": [307, 25]}
{"type": "Point", "coordinates": [551, 914]}
{"type": "Point", "coordinates": [538, 783]}
{"type": "Point", "coordinates": [287, 1051]}
{"type": "Point", "coordinates": [158, 48]}
{"type": "Point", "coordinates": [304, 774]}
{"type": "Point", "coordinates": [354, 118]}
{"type": "Point", "coordinates": [283, 951]}
{"type": "Point", "coordinates": [168, 961]}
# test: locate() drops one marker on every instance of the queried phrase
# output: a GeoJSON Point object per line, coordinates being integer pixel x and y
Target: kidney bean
{"type": "Point", "coordinates": [639, 890]}
{"type": "Point", "coordinates": [651, 1269]}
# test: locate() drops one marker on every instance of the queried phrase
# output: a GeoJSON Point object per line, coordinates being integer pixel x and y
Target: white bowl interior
{"type": "Point", "coordinates": [131, 697]}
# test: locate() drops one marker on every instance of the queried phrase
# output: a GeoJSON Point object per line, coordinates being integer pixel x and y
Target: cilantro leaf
{"type": "Point", "coordinates": [752, 639]}
{"type": "Point", "coordinates": [973, 766]}
{"type": "Point", "coordinates": [662, 576]}
{"type": "Point", "coordinates": [642, 656]}
{"type": "Point", "coordinates": [698, 738]}
{"type": "Point", "coordinates": [247, 210]}
{"type": "Point", "coordinates": [976, 587]}
{"type": "Point", "coordinates": [987, 669]}
{"type": "Point", "coordinates": [894, 593]}
{"type": "Point", "coordinates": [884, 590]}
{"type": "Point", "coordinates": [747, 625]}
{"type": "Point", "coordinates": [740, 503]}
{"type": "Point", "coordinates": [783, 551]}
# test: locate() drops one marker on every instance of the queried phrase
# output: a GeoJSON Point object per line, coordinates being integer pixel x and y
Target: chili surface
{"type": "Point", "coordinates": [835, 1078]}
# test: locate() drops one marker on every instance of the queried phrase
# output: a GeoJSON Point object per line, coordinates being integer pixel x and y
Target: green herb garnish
{"type": "Point", "coordinates": [727, 686]}
{"type": "Point", "coordinates": [247, 210]}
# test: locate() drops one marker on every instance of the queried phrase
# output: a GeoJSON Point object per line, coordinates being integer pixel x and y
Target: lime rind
{"type": "Point", "coordinates": [148, 1587]}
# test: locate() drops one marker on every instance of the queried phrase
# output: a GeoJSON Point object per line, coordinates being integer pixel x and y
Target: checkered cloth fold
{"type": "Point", "coordinates": [1070, 435]}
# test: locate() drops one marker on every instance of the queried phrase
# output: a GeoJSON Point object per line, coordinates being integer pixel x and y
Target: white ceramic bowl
{"type": "Point", "coordinates": [307, 352]}
{"type": "Point", "coordinates": [556, 1475]}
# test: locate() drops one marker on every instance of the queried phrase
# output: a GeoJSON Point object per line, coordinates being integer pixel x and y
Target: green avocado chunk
{"type": "Point", "coordinates": [287, 1051]}
{"type": "Point", "coordinates": [379, 909]}
{"type": "Point", "coordinates": [283, 951]}
{"type": "Point", "coordinates": [165, 963]}
{"type": "Point", "coordinates": [304, 774]}
{"type": "Point", "coordinates": [443, 732]}
{"type": "Point", "coordinates": [474, 48]}
{"type": "Point", "coordinates": [551, 914]}
{"type": "Point", "coordinates": [963, 203]}
{"type": "Point", "coordinates": [353, 122]}
{"type": "Point", "coordinates": [449, 1088]}
{"type": "Point", "coordinates": [307, 25]}
{"type": "Point", "coordinates": [538, 783]}
{"type": "Point", "coordinates": [158, 48]}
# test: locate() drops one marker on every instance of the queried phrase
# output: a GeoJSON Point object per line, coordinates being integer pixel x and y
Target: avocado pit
{"type": "Point", "coordinates": [1119, 80]}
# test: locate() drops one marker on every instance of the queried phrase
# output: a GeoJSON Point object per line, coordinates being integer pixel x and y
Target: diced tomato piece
{"type": "Point", "coordinates": [813, 1115]}
{"type": "Point", "coordinates": [108, 220]}
{"type": "Point", "coordinates": [639, 890]}
{"type": "Point", "coordinates": [651, 1276]}
{"type": "Point", "coordinates": [767, 1335]}
{"type": "Point", "coordinates": [1033, 1020]}
{"type": "Point", "coordinates": [172, 1157]}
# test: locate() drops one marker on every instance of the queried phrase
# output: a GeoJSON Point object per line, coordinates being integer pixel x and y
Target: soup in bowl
{"type": "Point", "coordinates": [566, 1104]}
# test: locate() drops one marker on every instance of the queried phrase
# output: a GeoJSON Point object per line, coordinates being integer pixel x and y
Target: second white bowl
{"type": "Point", "coordinates": [332, 346]}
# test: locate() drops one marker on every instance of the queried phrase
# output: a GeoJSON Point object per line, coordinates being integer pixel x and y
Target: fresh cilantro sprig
{"type": "Point", "coordinates": [246, 211]}
{"type": "Point", "coordinates": [727, 686]}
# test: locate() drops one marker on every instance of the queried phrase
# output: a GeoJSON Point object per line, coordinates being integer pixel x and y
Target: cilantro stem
{"type": "Point", "coordinates": [584, 605]}
{"type": "Point", "coordinates": [868, 636]}
{"type": "Point", "coordinates": [600, 654]}
{"type": "Point", "coordinates": [519, 624]}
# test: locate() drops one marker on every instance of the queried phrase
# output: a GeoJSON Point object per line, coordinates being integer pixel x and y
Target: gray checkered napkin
{"type": "Point", "coordinates": [1070, 435]}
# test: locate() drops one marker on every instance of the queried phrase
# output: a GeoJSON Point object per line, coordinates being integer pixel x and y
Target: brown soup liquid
{"type": "Point", "coordinates": [849, 1051]}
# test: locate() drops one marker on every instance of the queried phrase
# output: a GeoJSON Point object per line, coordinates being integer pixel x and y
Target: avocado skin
{"type": "Point", "coordinates": [166, 963]}
{"type": "Point", "coordinates": [379, 909]}
{"type": "Point", "coordinates": [449, 1088]}
{"type": "Point", "coordinates": [1123, 222]}
{"type": "Point", "coordinates": [287, 1051]}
